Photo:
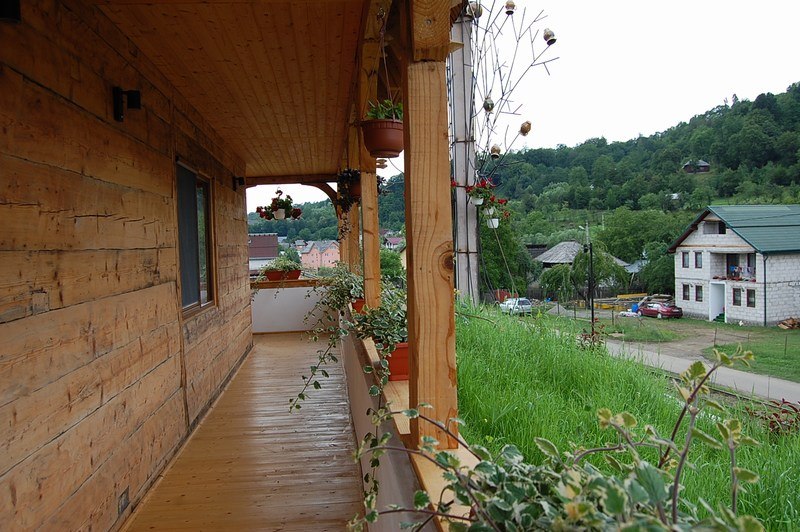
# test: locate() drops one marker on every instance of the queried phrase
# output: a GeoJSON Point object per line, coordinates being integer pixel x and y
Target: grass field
{"type": "Point", "coordinates": [778, 350]}
{"type": "Point", "coordinates": [519, 379]}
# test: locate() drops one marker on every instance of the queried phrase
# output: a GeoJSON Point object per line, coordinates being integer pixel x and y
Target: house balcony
{"type": "Point", "coordinates": [253, 464]}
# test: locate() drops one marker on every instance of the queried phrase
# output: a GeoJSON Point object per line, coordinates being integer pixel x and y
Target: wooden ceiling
{"type": "Point", "coordinates": [275, 79]}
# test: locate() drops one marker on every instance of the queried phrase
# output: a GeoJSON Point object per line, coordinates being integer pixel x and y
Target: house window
{"type": "Point", "coordinates": [698, 293]}
{"type": "Point", "coordinates": [737, 297]}
{"type": "Point", "coordinates": [751, 298]}
{"type": "Point", "coordinates": [686, 292]}
{"type": "Point", "coordinates": [685, 259]}
{"type": "Point", "coordinates": [722, 228]}
{"type": "Point", "coordinates": [698, 259]}
{"type": "Point", "coordinates": [195, 239]}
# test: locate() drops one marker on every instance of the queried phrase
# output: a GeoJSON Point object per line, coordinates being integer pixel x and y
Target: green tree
{"type": "Point", "coordinates": [658, 275]}
{"type": "Point", "coordinates": [391, 265]}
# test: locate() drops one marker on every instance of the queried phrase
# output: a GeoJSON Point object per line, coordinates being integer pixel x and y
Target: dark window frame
{"type": "Point", "coordinates": [195, 240]}
{"type": "Point", "coordinates": [751, 301]}
{"type": "Point", "coordinates": [722, 228]}
{"type": "Point", "coordinates": [685, 293]}
{"type": "Point", "coordinates": [698, 259]}
{"type": "Point", "coordinates": [737, 297]}
{"type": "Point", "coordinates": [684, 259]}
{"type": "Point", "coordinates": [698, 293]}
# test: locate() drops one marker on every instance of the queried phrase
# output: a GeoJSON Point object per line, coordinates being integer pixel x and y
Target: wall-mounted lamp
{"type": "Point", "coordinates": [9, 11]}
{"type": "Point", "coordinates": [238, 182]}
{"type": "Point", "coordinates": [133, 98]}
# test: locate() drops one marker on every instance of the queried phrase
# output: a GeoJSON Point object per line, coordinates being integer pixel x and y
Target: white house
{"type": "Point", "coordinates": [740, 262]}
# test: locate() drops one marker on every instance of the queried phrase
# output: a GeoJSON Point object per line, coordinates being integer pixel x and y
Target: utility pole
{"type": "Point", "coordinates": [462, 107]}
{"type": "Point", "coordinates": [588, 247]}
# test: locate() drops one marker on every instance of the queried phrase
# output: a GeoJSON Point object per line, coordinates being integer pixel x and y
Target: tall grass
{"type": "Point", "coordinates": [519, 379]}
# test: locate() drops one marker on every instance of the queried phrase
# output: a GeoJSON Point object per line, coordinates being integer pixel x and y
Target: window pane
{"type": "Point", "coordinates": [698, 259]}
{"type": "Point", "coordinates": [686, 292]}
{"type": "Point", "coordinates": [751, 298]}
{"type": "Point", "coordinates": [685, 259]}
{"type": "Point", "coordinates": [737, 297]}
{"type": "Point", "coordinates": [698, 293]}
{"type": "Point", "coordinates": [187, 237]}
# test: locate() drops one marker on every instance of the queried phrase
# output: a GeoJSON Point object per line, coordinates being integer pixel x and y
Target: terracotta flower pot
{"type": "Point", "coordinates": [398, 363]}
{"type": "Point", "coordinates": [358, 305]}
{"type": "Point", "coordinates": [383, 138]}
{"type": "Point", "coordinates": [282, 275]}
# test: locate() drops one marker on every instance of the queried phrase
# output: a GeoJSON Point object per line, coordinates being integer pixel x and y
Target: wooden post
{"type": "Point", "coordinates": [429, 227]}
{"type": "Point", "coordinates": [368, 90]}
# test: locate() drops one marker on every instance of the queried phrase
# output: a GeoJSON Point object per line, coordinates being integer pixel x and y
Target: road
{"type": "Point", "coordinates": [677, 355]}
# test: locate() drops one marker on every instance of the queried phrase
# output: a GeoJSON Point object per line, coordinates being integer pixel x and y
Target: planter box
{"type": "Point", "coordinates": [282, 275]}
{"type": "Point", "coordinates": [383, 138]}
{"type": "Point", "coordinates": [398, 363]}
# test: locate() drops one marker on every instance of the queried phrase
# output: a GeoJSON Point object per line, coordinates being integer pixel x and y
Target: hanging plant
{"type": "Point", "coordinates": [383, 129]}
{"type": "Point", "coordinates": [280, 208]}
{"type": "Point", "coordinates": [480, 192]}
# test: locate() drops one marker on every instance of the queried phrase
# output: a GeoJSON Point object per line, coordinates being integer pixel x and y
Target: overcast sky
{"type": "Point", "coordinates": [631, 67]}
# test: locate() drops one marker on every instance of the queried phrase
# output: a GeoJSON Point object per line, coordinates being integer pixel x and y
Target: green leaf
{"type": "Point", "coordinates": [748, 523]}
{"type": "Point", "coordinates": [615, 499]}
{"type": "Point", "coordinates": [374, 390]}
{"type": "Point", "coordinates": [411, 413]}
{"type": "Point", "coordinates": [707, 439]}
{"type": "Point", "coordinates": [368, 369]}
{"type": "Point", "coordinates": [653, 483]}
{"type": "Point", "coordinates": [696, 370]}
{"type": "Point", "coordinates": [421, 500]}
{"type": "Point", "coordinates": [715, 405]}
{"type": "Point", "coordinates": [613, 462]}
{"type": "Point", "coordinates": [547, 447]}
{"type": "Point", "coordinates": [628, 420]}
{"type": "Point", "coordinates": [745, 475]}
{"type": "Point", "coordinates": [604, 414]}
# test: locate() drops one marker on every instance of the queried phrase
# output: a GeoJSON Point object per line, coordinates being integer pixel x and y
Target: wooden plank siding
{"type": "Point", "coordinates": [101, 375]}
{"type": "Point", "coordinates": [253, 465]}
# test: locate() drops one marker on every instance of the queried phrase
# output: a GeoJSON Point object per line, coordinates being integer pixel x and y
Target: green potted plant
{"type": "Point", "coordinates": [281, 269]}
{"type": "Point", "coordinates": [383, 128]}
{"type": "Point", "coordinates": [387, 326]}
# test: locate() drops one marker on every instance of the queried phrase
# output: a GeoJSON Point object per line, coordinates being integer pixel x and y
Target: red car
{"type": "Point", "coordinates": [660, 310]}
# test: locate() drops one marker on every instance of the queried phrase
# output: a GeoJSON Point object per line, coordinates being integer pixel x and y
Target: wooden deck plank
{"type": "Point", "coordinates": [251, 465]}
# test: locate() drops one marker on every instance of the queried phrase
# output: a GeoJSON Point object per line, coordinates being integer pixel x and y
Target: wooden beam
{"type": "Point", "coordinates": [429, 235]}
{"type": "Point", "coordinates": [304, 179]}
{"type": "Point", "coordinates": [430, 24]}
{"type": "Point", "coordinates": [327, 189]}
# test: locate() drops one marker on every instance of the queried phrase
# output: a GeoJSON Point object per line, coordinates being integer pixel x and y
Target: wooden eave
{"type": "Point", "coordinates": [276, 80]}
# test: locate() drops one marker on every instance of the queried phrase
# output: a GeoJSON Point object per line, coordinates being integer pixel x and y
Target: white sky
{"type": "Point", "coordinates": [631, 67]}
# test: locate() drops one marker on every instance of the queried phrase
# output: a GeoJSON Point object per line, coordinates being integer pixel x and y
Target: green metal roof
{"type": "Point", "coordinates": [768, 228]}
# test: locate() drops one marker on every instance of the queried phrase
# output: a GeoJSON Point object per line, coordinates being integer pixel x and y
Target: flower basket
{"type": "Point", "coordinates": [477, 201]}
{"type": "Point", "coordinates": [493, 223]}
{"type": "Point", "coordinates": [280, 214]}
{"type": "Point", "coordinates": [398, 363]}
{"type": "Point", "coordinates": [383, 137]}
{"type": "Point", "coordinates": [488, 211]}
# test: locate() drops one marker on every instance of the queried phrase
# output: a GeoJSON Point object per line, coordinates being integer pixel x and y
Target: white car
{"type": "Point", "coordinates": [516, 306]}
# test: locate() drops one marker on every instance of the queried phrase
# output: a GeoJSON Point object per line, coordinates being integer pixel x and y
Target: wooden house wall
{"type": "Point", "coordinates": [101, 377]}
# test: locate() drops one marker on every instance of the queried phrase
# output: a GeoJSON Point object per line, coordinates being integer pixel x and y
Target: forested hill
{"type": "Point", "coordinates": [752, 147]}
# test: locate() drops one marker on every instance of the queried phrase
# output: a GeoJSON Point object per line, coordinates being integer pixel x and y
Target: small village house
{"type": "Point", "coordinates": [740, 263]}
{"type": "Point", "coordinates": [261, 248]}
{"type": "Point", "coordinates": [316, 254]}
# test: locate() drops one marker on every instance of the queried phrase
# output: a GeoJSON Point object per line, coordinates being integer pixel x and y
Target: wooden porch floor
{"type": "Point", "coordinates": [251, 465]}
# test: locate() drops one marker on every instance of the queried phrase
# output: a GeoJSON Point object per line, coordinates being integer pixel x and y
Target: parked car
{"type": "Point", "coordinates": [660, 310]}
{"type": "Point", "coordinates": [516, 306]}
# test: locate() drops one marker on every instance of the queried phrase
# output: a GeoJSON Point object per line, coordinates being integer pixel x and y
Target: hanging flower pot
{"type": "Point", "coordinates": [383, 138]}
{"type": "Point", "coordinates": [383, 129]}
{"type": "Point", "coordinates": [493, 223]}
{"type": "Point", "coordinates": [476, 200]}
{"type": "Point", "coordinates": [280, 214]}
{"type": "Point", "coordinates": [488, 211]}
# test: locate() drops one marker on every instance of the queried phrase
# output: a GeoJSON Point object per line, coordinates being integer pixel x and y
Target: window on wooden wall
{"type": "Point", "coordinates": [698, 259]}
{"type": "Point", "coordinates": [737, 297]}
{"type": "Point", "coordinates": [195, 240]}
{"type": "Point", "coordinates": [685, 259]}
{"type": "Point", "coordinates": [698, 293]}
{"type": "Point", "coordinates": [722, 228]}
{"type": "Point", "coordinates": [686, 292]}
{"type": "Point", "coordinates": [751, 298]}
